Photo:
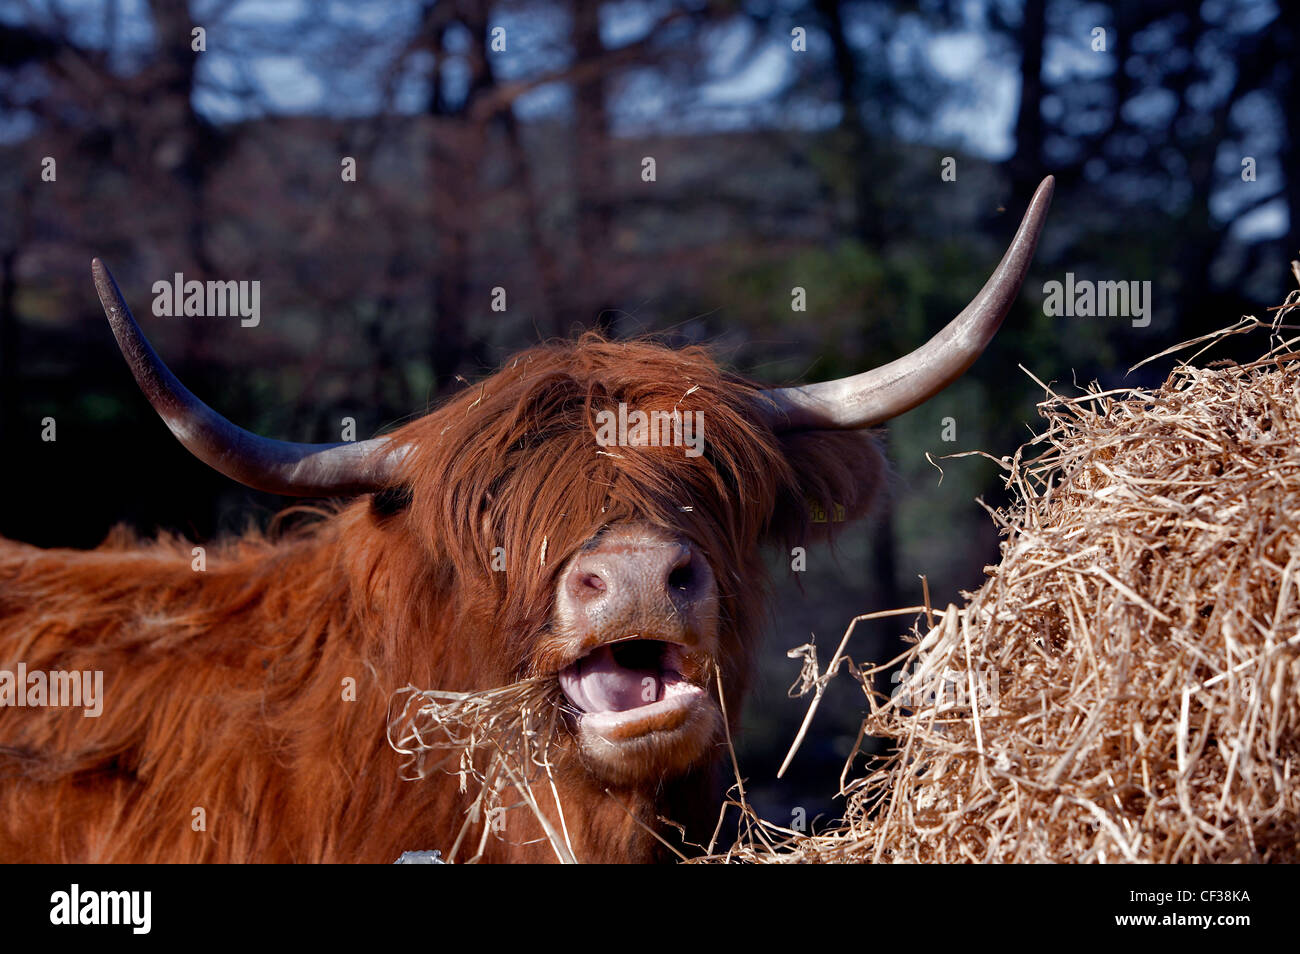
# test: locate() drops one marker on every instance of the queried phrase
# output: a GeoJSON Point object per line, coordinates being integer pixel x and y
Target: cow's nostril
{"type": "Point", "coordinates": [590, 581]}
{"type": "Point", "coordinates": [681, 577]}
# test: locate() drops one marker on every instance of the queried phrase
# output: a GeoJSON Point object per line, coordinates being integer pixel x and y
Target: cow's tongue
{"type": "Point", "coordinates": [598, 683]}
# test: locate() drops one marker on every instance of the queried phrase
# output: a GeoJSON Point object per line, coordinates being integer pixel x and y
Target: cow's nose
{"type": "Point", "coordinates": [633, 580]}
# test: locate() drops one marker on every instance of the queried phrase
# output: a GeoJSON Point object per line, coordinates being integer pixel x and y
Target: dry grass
{"type": "Point", "coordinates": [1126, 686]}
{"type": "Point", "coordinates": [498, 742]}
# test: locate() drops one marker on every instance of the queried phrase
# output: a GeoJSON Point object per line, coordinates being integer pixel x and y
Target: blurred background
{"type": "Point", "coordinates": [877, 155]}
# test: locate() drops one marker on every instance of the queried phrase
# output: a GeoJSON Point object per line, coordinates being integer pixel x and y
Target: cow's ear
{"type": "Point", "coordinates": [389, 502]}
{"type": "Point", "coordinates": [839, 477]}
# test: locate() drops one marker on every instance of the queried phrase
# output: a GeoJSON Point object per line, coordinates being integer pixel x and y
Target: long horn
{"type": "Point", "coordinates": [872, 397]}
{"type": "Point", "coordinates": [278, 467]}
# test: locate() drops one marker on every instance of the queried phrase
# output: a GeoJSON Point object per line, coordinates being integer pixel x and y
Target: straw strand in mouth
{"type": "Point", "coordinates": [496, 740]}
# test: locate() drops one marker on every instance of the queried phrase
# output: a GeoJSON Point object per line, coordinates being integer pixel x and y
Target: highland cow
{"type": "Point", "coordinates": [493, 540]}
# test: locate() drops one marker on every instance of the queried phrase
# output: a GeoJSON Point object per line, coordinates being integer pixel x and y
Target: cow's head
{"type": "Point", "coordinates": [624, 570]}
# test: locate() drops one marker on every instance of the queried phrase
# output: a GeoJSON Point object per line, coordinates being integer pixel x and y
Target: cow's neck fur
{"type": "Point", "coordinates": [225, 693]}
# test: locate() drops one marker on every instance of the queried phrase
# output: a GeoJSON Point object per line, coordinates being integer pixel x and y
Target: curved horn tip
{"type": "Point", "coordinates": [873, 397]}
{"type": "Point", "coordinates": [105, 283]}
{"type": "Point", "coordinates": [1042, 196]}
{"type": "Point", "coordinates": [1035, 217]}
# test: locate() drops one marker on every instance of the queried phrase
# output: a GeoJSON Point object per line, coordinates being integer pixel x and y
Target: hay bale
{"type": "Point", "coordinates": [1126, 686]}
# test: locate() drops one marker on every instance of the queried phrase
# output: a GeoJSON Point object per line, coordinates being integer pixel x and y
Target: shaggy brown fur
{"type": "Point", "coordinates": [224, 688]}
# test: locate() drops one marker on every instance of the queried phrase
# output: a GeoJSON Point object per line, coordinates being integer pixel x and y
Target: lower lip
{"type": "Point", "coordinates": [666, 715]}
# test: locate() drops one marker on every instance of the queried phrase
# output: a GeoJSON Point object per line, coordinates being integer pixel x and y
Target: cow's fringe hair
{"type": "Point", "coordinates": [511, 466]}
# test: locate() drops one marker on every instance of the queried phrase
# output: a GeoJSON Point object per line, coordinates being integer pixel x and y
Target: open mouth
{"type": "Point", "coordinates": [631, 687]}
